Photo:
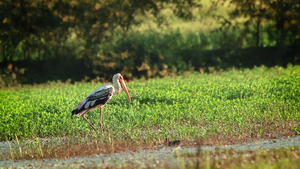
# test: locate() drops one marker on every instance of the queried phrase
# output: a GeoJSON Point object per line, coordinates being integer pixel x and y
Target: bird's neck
{"type": "Point", "coordinates": [117, 86]}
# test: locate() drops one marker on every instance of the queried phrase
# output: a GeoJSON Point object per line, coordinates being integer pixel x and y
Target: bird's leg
{"type": "Point", "coordinates": [83, 116]}
{"type": "Point", "coordinates": [100, 122]}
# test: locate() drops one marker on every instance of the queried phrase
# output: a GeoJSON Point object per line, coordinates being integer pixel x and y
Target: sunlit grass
{"type": "Point", "coordinates": [194, 105]}
{"type": "Point", "coordinates": [225, 107]}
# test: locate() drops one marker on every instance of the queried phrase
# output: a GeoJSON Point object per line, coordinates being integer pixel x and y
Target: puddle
{"type": "Point", "coordinates": [143, 158]}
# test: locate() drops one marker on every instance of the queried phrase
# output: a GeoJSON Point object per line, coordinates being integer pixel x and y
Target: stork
{"type": "Point", "coordinates": [99, 97]}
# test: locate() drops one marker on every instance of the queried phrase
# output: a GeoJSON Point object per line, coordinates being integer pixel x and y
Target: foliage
{"type": "Point", "coordinates": [47, 26]}
{"type": "Point", "coordinates": [284, 15]}
{"type": "Point", "coordinates": [234, 103]}
{"type": "Point", "coordinates": [149, 54]}
{"type": "Point", "coordinates": [50, 40]}
{"type": "Point", "coordinates": [153, 54]}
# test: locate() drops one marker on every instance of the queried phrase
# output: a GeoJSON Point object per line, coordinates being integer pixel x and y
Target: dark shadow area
{"type": "Point", "coordinates": [243, 58]}
{"type": "Point", "coordinates": [43, 71]}
{"type": "Point", "coordinates": [36, 71]}
{"type": "Point", "coordinates": [70, 71]}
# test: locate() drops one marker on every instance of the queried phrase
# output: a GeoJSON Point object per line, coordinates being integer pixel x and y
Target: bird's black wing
{"type": "Point", "coordinates": [97, 98]}
{"type": "Point", "coordinates": [101, 96]}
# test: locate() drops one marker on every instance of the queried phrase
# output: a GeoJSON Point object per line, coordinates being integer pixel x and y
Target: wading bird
{"type": "Point", "coordinates": [99, 97]}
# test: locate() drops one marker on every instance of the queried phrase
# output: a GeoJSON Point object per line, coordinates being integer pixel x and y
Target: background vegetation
{"type": "Point", "coordinates": [73, 40]}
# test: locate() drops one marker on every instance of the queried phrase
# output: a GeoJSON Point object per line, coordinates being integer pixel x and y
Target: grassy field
{"type": "Point", "coordinates": [222, 107]}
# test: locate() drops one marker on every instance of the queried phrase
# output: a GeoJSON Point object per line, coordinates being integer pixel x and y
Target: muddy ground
{"type": "Point", "coordinates": [144, 158]}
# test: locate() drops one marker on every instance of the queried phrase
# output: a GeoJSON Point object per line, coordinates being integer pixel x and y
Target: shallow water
{"type": "Point", "coordinates": [143, 158]}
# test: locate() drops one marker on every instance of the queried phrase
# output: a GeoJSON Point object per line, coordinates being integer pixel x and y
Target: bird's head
{"type": "Point", "coordinates": [121, 80]}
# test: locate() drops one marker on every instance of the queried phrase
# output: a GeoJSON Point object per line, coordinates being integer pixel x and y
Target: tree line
{"type": "Point", "coordinates": [87, 37]}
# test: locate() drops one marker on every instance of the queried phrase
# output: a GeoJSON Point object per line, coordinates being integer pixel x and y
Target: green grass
{"type": "Point", "coordinates": [234, 103]}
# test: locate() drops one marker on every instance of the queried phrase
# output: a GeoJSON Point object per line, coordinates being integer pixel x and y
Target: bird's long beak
{"type": "Point", "coordinates": [122, 82]}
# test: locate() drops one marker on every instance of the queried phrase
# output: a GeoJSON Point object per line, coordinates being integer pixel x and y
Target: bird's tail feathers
{"type": "Point", "coordinates": [74, 112]}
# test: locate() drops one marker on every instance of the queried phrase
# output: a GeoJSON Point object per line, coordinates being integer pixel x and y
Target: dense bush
{"type": "Point", "coordinates": [149, 54]}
